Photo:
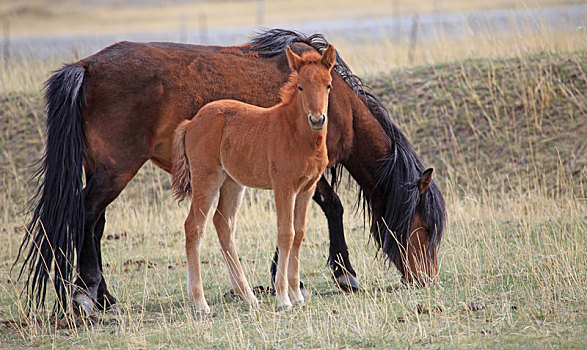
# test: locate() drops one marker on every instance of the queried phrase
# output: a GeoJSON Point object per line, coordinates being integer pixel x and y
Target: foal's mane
{"type": "Point", "coordinates": [398, 172]}
{"type": "Point", "coordinates": [288, 90]}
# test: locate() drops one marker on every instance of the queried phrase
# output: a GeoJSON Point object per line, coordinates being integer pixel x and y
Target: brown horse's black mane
{"type": "Point", "coordinates": [398, 173]}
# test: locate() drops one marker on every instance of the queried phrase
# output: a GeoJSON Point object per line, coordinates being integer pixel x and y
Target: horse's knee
{"type": "Point", "coordinates": [194, 231]}
{"type": "Point", "coordinates": [285, 240]}
{"type": "Point", "coordinates": [327, 199]}
{"type": "Point", "coordinates": [336, 205]}
{"type": "Point", "coordinates": [222, 222]}
{"type": "Point", "coordinates": [298, 237]}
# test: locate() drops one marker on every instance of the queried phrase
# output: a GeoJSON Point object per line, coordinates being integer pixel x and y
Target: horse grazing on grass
{"type": "Point", "coordinates": [230, 144]}
{"type": "Point", "coordinates": [109, 113]}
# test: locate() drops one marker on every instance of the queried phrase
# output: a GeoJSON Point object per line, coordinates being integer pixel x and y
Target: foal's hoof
{"type": "Point", "coordinates": [201, 307]}
{"type": "Point", "coordinates": [348, 283]}
{"type": "Point", "coordinates": [284, 307]}
{"type": "Point", "coordinates": [298, 303]}
{"type": "Point", "coordinates": [83, 305]}
{"type": "Point", "coordinates": [253, 303]}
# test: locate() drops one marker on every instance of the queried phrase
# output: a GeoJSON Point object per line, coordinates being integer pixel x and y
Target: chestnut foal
{"type": "Point", "coordinates": [231, 144]}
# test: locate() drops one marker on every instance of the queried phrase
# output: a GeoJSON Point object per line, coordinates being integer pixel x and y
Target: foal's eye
{"type": "Point", "coordinates": [329, 87]}
{"type": "Point", "coordinates": [300, 88]}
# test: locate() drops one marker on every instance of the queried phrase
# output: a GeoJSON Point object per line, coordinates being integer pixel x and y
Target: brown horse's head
{"type": "Point", "coordinates": [312, 79]}
{"type": "Point", "coordinates": [420, 262]}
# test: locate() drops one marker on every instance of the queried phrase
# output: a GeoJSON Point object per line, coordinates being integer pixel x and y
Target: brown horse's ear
{"type": "Point", "coordinates": [425, 180]}
{"type": "Point", "coordinates": [329, 57]}
{"type": "Point", "coordinates": [293, 59]}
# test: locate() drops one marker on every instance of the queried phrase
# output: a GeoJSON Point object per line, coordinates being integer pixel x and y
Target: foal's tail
{"type": "Point", "coordinates": [180, 170]}
{"type": "Point", "coordinates": [56, 228]}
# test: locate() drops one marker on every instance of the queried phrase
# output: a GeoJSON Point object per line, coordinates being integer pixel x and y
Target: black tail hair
{"type": "Point", "coordinates": [56, 228]}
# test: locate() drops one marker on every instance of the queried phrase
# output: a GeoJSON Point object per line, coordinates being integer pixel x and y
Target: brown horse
{"type": "Point", "coordinates": [230, 144]}
{"type": "Point", "coordinates": [111, 112]}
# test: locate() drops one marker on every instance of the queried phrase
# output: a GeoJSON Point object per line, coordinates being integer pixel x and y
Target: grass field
{"type": "Point", "coordinates": [504, 126]}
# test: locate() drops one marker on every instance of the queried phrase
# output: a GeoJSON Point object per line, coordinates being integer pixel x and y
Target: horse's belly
{"type": "Point", "coordinates": [245, 168]}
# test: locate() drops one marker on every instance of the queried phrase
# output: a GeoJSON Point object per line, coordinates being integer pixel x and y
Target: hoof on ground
{"type": "Point", "coordinates": [284, 307]}
{"type": "Point", "coordinates": [108, 303]}
{"type": "Point", "coordinates": [253, 303]}
{"type": "Point", "coordinates": [303, 290]}
{"type": "Point", "coordinates": [201, 308]}
{"type": "Point", "coordinates": [83, 305]}
{"type": "Point", "coordinates": [298, 303]}
{"type": "Point", "coordinates": [348, 283]}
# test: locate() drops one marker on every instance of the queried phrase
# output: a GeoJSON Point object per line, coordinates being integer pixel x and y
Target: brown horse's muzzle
{"type": "Point", "coordinates": [317, 121]}
{"type": "Point", "coordinates": [421, 281]}
{"type": "Point", "coordinates": [419, 273]}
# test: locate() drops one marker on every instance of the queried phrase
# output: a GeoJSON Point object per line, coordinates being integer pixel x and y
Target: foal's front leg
{"type": "Point", "coordinates": [293, 273]}
{"type": "Point", "coordinates": [284, 204]}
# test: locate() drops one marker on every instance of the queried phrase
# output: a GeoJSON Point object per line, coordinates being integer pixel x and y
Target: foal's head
{"type": "Point", "coordinates": [311, 83]}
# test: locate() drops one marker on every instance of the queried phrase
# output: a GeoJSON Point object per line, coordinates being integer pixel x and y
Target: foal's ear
{"type": "Point", "coordinates": [329, 57]}
{"type": "Point", "coordinates": [425, 180]}
{"type": "Point", "coordinates": [293, 59]}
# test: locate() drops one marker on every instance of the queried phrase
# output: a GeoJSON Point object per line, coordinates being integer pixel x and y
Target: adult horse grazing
{"type": "Point", "coordinates": [109, 113]}
{"type": "Point", "coordinates": [230, 144]}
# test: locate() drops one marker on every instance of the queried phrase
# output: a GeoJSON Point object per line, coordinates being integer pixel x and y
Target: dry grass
{"type": "Point", "coordinates": [507, 138]}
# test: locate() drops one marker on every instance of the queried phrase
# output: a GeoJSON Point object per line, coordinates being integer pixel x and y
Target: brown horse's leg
{"type": "Point", "coordinates": [231, 194]}
{"type": "Point", "coordinates": [105, 300]}
{"type": "Point", "coordinates": [338, 258]}
{"type": "Point", "coordinates": [284, 204]}
{"type": "Point", "coordinates": [102, 188]}
{"type": "Point", "coordinates": [293, 273]}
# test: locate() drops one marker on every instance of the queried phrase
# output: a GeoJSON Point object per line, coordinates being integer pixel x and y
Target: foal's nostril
{"type": "Point", "coordinates": [317, 118]}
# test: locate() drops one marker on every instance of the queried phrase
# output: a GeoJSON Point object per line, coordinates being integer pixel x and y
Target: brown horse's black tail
{"type": "Point", "coordinates": [56, 229]}
{"type": "Point", "coordinates": [180, 170]}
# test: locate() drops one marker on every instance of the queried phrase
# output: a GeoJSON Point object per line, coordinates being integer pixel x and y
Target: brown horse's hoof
{"type": "Point", "coordinates": [303, 290]}
{"type": "Point", "coordinates": [348, 283]}
{"type": "Point", "coordinates": [107, 303]}
{"type": "Point", "coordinates": [83, 305]}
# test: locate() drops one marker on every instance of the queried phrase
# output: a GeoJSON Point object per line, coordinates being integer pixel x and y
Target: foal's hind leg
{"type": "Point", "coordinates": [204, 190]}
{"type": "Point", "coordinates": [231, 194]}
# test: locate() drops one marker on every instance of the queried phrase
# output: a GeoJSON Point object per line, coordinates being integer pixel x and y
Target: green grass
{"type": "Point", "coordinates": [507, 138]}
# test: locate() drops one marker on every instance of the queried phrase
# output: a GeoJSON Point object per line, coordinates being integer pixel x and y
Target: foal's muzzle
{"type": "Point", "coordinates": [317, 121]}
